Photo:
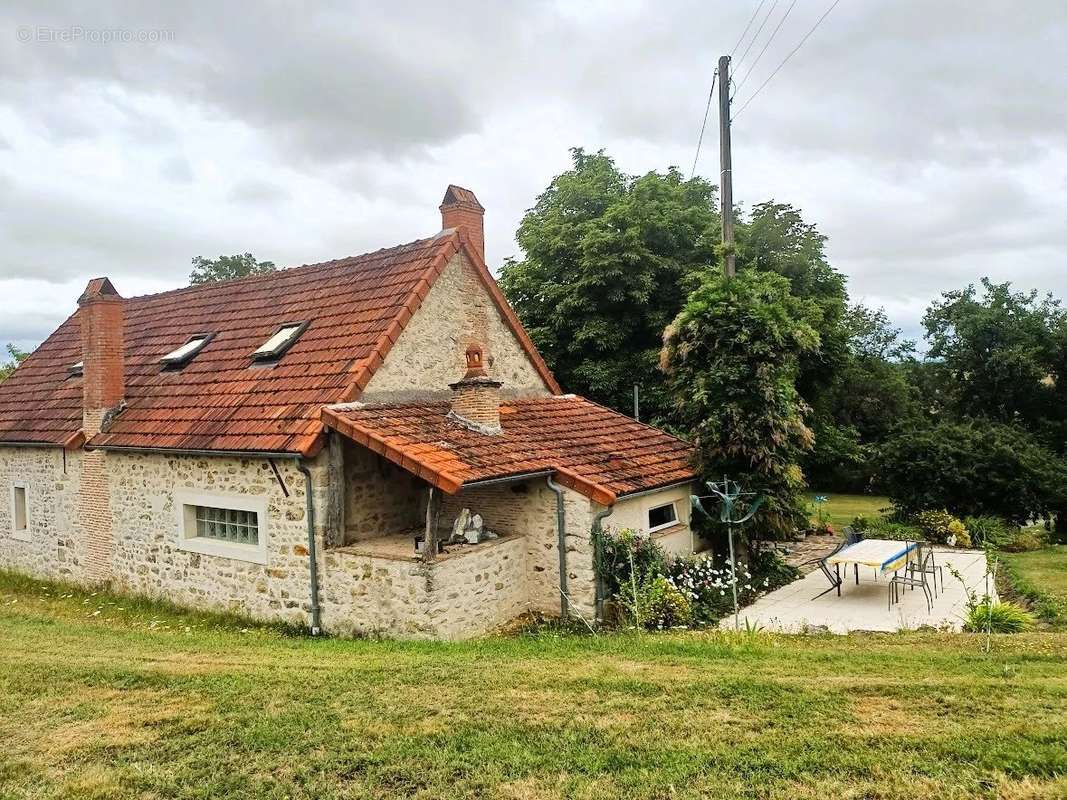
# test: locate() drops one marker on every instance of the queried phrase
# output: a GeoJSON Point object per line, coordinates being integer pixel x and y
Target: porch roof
{"type": "Point", "coordinates": [591, 449]}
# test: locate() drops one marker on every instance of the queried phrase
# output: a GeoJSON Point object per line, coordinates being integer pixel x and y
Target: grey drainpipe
{"type": "Point", "coordinates": [561, 531]}
{"type": "Point", "coordinates": [313, 555]}
{"type": "Point", "coordinates": [597, 557]}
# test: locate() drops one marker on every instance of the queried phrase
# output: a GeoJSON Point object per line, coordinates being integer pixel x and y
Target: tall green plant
{"type": "Point", "coordinates": [731, 359]}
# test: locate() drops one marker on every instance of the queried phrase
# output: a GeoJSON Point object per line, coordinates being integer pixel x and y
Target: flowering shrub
{"type": "Point", "coordinates": [626, 558]}
{"type": "Point", "coordinates": [657, 593]}
{"type": "Point", "coordinates": [657, 604]}
{"type": "Point", "coordinates": [940, 527]}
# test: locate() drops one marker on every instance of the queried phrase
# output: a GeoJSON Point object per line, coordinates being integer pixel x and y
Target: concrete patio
{"type": "Point", "coordinates": [794, 608]}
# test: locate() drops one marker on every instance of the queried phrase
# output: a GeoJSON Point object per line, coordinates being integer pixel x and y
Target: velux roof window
{"type": "Point", "coordinates": [74, 370]}
{"type": "Point", "coordinates": [185, 353]}
{"type": "Point", "coordinates": [283, 338]}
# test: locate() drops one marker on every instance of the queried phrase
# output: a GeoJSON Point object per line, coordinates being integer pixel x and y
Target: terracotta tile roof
{"type": "Point", "coordinates": [592, 449]}
{"type": "Point", "coordinates": [220, 400]}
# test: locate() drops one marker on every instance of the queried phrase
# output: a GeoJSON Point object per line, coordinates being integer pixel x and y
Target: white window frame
{"type": "Point", "coordinates": [185, 503]}
{"type": "Point", "coordinates": [24, 534]}
{"type": "Point", "coordinates": [664, 526]}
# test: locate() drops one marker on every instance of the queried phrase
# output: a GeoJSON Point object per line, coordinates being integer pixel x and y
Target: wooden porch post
{"type": "Point", "coordinates": [429, 552]}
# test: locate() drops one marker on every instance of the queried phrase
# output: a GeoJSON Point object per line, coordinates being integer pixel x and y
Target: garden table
{"type": "Point", "coordinates": [885, 555]}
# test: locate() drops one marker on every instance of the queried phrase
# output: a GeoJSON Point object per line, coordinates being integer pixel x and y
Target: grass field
{"type": "Point", "coordinates": [1040, 576]}
{"type": "Point", "coordinates": [842, 508]}
{"type": "Point", "coordinates": [103, 697]}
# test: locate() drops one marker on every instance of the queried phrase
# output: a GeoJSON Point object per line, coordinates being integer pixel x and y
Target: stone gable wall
{"type": "Point", "coordinates": [430, 353]}
{"type": "Point", "coordinates": [56, 548]}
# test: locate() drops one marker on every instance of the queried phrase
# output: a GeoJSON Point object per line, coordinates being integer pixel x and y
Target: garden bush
{"type": "Point", "coordinates": [625, 558]}
{"type": "Point", "coordinates": [998, 618]}
{"type": "Point", "coordinates": [887, 529]}
{"type": "Point", "coordinates": [976, 468]}
{"type": "Point", "coordinates": [657, 604]}
{"type": "Point", "coordinates": [988, 531]}
{"type": "Point", "coordinates": [1023, 540]}
{"type": "Point", "coordinates": [940, 527]}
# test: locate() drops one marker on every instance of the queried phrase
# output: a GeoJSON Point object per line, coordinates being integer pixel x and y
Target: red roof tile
{"type": "Point", "coordinates": [592, 449]}
{"type": "Point", "coordinates": [221, 400]}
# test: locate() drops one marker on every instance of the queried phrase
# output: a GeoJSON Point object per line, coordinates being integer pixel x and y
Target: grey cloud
{"type": "Point", "coordinates": [257, 192]}
{"type": "Point", "coordinates": [177, 169]}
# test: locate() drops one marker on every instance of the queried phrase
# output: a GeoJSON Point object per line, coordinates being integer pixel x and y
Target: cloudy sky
{"type": "Point", "coordinates": [927, 139]}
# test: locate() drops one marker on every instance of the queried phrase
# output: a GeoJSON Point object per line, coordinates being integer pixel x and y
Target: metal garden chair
{"type": "Point", "coordinates": [908, 579]}
{"type": "Point", "coordinates": [925, 562]}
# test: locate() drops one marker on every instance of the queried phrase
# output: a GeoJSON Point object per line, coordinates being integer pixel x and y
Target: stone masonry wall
{"type": "Point", "coordinates": [147, 558]}
{"type": "Point", "coordinates": [55, 548]}
{"type": "Point", "coordinates": [529, 509]}
{"type": "Point", "coordinates": [457, 597]}
{"type": "Point", "coordinates": [380, 497]}
{"type": "Point", "coordinates": [430, 353]}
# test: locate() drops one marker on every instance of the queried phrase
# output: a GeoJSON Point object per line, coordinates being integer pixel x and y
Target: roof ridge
{"type": "Point", "coordinates": [249, 280]}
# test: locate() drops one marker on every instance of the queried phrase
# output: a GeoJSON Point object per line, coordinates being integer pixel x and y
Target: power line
{"type": "Point", "coordinates": [749, 25]}
{"type": "Point", "coordinates": [704, 124]}
{"type": "Point", "coordinates": [774, 33]}
{"type": "Point", "coordinates": [758, 32]}
{"type": "Point", "coordinates": [784, 60]}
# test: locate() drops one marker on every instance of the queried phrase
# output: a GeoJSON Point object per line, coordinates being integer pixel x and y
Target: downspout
{"type": "Point", "coordinates": [598, 556]}
{"type": "Point", "coordinates": [313, 555]}
{"type": "Point", "coordinates": [561, 539]}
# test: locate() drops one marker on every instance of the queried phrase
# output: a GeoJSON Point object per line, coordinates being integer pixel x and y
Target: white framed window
{"type": "Point", "coordinates": [223, 525]}
{"type": "Point", "coordinates": [663, 516]}
{"type": "Point", "coordinates": [280, 341]}
{"type": "Point", "coordinates": [20, 511]}
{"type": "Point", "coordinates": [185, 353]}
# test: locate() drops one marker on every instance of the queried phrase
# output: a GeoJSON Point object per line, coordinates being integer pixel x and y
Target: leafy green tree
{"type": "Point", "coordinates": [774, 237]}
{"type": "Point", "coordinates": [1000, 353]}
{"type": "Point", "coordinates": [862, 402]}
{"type": "Point", "coordinates": [609, 259]}
{"type": "Point", "coordinates": [973, 467]}
{"type": "Point", "coordinates": [15, 357]}
{"type": "Point", "coordinates": [731, 358]}
{"type": "Point", "coordinates": [227, 268]}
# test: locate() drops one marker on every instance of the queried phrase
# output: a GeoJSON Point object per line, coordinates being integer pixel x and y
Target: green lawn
{"type": "Point", "coordinates": [102, 697]}
{"type": "Point", "coordinates": [842, 508]}
{"type": "Point", "coordinates": [1040, 576]}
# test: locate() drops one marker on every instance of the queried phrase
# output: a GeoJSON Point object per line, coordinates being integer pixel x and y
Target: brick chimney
{"type": "Point", "coordinates": [103, 384]}
{"type": "Point", "coordinates": [461, 210]}
{"type": "Point", "coordinates": [476, 398]}
{"type": "Point", "coordinates": [101, 317]}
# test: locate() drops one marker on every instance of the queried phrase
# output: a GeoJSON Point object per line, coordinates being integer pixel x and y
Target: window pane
{"type": "Point", "coordinates": [227, 524]}
{"type": "Point", "coordinates": [278, 339]}
{"type": "Point", "coordinates": [663, 515]}
{"type": "Point", "coordinates": [22, 511]}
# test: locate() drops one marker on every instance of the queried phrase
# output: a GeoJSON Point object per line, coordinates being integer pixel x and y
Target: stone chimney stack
{"type": "Point", "coordinates": [476, 398]}
{"type": "Point", "coordinates": [103, 383]}
{"type": "Point", "coordinates": [461, 210]}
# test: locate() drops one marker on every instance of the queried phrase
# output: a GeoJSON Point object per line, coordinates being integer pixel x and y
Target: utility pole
{"type": "Point", "coordinates": [726, 175]}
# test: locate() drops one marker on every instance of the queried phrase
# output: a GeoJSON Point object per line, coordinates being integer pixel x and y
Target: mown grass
{"type": "Point", "coordinates": [101, 698]}
{"type": "Point", "coordinates": [1040, 578]}
{"type": "Point", "coordinates": [841, 509]}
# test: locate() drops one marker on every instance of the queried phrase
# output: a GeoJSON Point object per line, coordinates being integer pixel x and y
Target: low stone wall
{"type": "Point", "coordinates": [459, 596]}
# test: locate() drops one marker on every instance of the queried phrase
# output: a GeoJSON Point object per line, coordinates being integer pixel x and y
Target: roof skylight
{"type": "Point", "coordinates": [283, 338]}
{"type": "Point", "coordinates": [185, 353]}
{"type": "Point", "coordinates": [76, 369]}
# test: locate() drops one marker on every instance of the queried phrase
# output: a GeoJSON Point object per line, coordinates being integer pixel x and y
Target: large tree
{"type": "Point", "coordinates": [14, 358]}
{"type": "Point", "coordinates": [862, 402]}
{"type": "Point", "coordinates": [999, 354]}
{"type": "Point", "coordinates": [731, 359]}
{"type": "Point", "coordinates": [609, 259]}
{"type": "Point", "coordinates": [226, 268]}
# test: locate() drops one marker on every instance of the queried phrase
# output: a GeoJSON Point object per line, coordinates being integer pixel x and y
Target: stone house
{"type": "Point", "coordinates": [299, 446]}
